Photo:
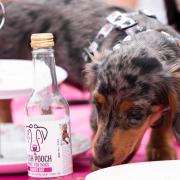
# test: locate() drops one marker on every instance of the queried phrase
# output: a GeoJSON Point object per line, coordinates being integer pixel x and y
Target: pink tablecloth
{"type": "Point", "coordinates": [80, 124]}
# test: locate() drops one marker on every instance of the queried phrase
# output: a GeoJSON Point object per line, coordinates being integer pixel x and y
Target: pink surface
{"type": "Point", "coordinates": [80, 124]}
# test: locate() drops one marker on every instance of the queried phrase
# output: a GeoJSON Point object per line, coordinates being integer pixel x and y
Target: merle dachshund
{"type": "Point", "coordinates": [134, 87]}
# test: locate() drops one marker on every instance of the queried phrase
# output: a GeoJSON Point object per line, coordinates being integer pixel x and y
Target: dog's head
{"type": "Point", "coordinates": [131, 87]}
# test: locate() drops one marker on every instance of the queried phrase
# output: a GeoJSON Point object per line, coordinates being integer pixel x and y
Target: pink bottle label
{"type": "Point", "coordinates": [48, 146]}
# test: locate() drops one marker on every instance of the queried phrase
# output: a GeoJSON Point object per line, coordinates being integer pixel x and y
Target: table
{"type": "Point", "coordinates": [16, 80]}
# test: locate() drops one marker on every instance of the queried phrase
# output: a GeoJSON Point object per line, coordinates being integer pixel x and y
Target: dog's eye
{"type": "Point", "coordinates": [135, 113]}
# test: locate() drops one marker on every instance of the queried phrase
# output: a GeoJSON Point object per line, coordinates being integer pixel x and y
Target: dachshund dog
{"type": "Point", "coordinates": [134, 87]}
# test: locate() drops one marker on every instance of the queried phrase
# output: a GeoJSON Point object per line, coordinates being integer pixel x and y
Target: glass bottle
{"type": "Point", "coordinates": [48, 132]}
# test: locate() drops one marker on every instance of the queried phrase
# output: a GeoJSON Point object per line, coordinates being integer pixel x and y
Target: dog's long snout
{"type": "Point", "coordinates": [103, 157]}
{"type": "Point", "coordinates": [102, 148]}
{"type": "Point", "coordinates": [103, 163]}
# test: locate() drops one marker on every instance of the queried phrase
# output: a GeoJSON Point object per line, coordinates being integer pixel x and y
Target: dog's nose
{"type": "Point", "coordinates": [103, 163]}
{"type": "Point", "coordinates": [34, 147]}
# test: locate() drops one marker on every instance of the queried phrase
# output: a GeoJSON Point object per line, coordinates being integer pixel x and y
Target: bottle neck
{"type": "Point", "coordinates": [44, 70]}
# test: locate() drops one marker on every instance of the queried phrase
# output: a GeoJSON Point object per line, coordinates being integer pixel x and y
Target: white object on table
{"type": "Point", "coordinates": [156, 170]}
{"type": "Point", "coordinates": [16, 78]}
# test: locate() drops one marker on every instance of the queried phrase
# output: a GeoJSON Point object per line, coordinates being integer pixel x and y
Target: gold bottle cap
{"type": "Point", "coordinates": [42, 40]}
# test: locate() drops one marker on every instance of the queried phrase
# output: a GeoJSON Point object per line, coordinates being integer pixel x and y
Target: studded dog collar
{"type": "Point", "coordinates": [122, 22]}
{"type": "Point", "coordinates": [116, 20]}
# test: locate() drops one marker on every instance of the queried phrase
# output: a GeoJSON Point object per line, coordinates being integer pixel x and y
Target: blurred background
{"type": "Point", "coordinates": [12, 109]}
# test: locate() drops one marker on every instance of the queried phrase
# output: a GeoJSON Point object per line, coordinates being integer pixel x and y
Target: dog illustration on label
{"type": "Point", "coordinates": [65, 134]}
{"type": "Point", "coordinates": [36, 135]}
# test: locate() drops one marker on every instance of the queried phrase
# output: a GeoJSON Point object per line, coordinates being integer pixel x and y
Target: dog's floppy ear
{"type": "Point", "coordinates": [173, 104]}
{"type": "Point", "coordinates": [167, 97]}
{"type": "Point", "coordinates": [173, 112]}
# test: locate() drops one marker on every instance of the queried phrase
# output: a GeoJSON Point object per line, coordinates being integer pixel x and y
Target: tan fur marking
{"type": "Point", "coordinates": [124, 142]}
{"type": "Point", "coordinates": [156, 108]}
{"type": "Point", "coordinates": [172, 96]}
{"type": "Point", "coordinates": [126, 105]}
{"type": "Point", "coordinates": [99, 98]}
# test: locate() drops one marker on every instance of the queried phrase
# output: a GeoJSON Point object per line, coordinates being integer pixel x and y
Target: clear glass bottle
{"type": "Point", "coordinates": [48, 130]}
